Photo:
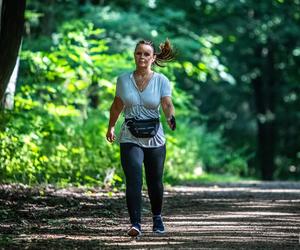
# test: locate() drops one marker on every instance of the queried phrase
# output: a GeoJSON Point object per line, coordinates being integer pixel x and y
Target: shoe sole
{"type": "Point", "coordinates": [134, 232]}
{"type": "Point", "coordinates": [159, 231]}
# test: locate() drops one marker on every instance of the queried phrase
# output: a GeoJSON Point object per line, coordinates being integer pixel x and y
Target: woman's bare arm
{"type": "Point", "coordinates": [115, 110]}
{"type": "Point", "coordinates": [168, 109]}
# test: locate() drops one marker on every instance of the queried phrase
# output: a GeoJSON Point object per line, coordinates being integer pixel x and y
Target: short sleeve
{"type": "Point", "coordinates": [166, 87]}
{"type": "Point", "coordinates": [118, 87]}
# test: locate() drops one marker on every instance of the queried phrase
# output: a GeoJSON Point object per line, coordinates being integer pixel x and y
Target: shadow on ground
{"type": "Point", "coordinates": [262, 215]}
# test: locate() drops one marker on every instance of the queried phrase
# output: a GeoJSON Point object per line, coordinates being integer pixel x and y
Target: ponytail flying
{"type": "Point", "coordinates": [166, 53]}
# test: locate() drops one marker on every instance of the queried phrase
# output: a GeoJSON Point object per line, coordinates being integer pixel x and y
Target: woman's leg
{"type": "Point", "coordinates": [132, 159]}
{"type": "Point", "coordinates": [154, 159]}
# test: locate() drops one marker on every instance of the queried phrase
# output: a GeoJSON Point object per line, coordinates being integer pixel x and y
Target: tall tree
{"type": "Point", "coordinates": [12, 23]}
{"type": "Point", "coordinates": [260, 48]}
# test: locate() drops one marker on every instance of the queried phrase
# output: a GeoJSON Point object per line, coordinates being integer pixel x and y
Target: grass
{"type": "Point", "coordinates": [190, 179]}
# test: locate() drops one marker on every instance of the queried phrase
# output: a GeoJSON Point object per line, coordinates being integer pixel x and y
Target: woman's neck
{"type": "Point", "coordinates": [143, 71]}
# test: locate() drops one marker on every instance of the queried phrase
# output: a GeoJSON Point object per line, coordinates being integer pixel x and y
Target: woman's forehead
{"type": "Point", "coordinates": [144, 47]}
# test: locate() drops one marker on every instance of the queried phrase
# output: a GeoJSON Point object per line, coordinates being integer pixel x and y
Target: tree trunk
{"type": "Point", "coordinates": [1, 1]}
{"type": "Point", "coordinates": [93, 93]}
{"type": "Point", "coordinates": [47, 24]}
{"type": "Point", "coordinates": [12, 23]}
{"type": "Point", "coordinates": [264, 90]}
{"type": "Point", "coordinates": [9, 94]}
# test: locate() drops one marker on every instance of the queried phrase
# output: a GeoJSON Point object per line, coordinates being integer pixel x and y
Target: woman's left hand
{"type": "Point", "coordinates": [172, 122]}
{"type": "Point", "coordinates": [168, 108]}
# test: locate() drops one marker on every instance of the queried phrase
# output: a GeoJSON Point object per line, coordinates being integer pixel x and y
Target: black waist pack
{"type": "Point", "coordinates": [143, 128]}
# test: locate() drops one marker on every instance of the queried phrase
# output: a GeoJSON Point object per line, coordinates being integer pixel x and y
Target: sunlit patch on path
{"type": "Point", "coordinates": [236, 216]}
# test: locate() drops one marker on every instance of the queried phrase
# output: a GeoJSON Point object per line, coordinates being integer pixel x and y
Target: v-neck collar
{"type": "Point", "coordinates": [135, 85]}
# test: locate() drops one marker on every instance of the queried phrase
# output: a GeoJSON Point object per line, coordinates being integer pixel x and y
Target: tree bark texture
{"type": "Point", "coordinates": [12, 24]}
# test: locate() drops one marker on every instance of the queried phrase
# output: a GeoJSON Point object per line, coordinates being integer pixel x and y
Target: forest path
{"type": "Point", "coordinates": [253, 215]}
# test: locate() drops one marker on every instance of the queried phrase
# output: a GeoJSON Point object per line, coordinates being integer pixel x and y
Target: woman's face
{"type": "Point", "coordinates": [144, 56]}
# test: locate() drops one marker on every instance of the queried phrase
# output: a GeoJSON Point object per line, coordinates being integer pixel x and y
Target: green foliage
{"type": "Point", "coordinates": [55, 148]}
{"type": "Point", "coordinates": [72, 55]}
{"type": "Point", "coordinates": [195, 151]}
{"type": "Point", "coordinates": [55, 136]}
{"type": "Point", "coordinates": [62, 140]}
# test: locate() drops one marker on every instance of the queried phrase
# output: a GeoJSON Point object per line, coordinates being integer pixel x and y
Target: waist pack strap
{"type": "Point", "coordinates": [142, 121]}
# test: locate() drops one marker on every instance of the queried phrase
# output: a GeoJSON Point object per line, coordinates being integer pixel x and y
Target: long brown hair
{"type": "Point", "coordinates": [166, 53]}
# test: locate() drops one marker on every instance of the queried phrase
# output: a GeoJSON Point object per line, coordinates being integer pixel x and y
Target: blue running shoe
{"type": "Point", "coordinates": [158, 225]}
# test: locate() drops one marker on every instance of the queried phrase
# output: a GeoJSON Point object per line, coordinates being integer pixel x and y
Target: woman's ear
{"type": "Point", "coordinates": [154, 58]}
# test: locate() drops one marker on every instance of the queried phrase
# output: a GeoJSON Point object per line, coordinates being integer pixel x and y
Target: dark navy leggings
{"type": "Point", "coordinates": [132, 158]}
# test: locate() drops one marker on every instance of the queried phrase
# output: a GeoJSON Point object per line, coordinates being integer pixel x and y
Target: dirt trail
{"type": "Point", "coordinates": [263, 215]}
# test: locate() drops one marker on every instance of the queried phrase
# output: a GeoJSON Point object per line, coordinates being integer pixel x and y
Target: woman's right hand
{"type": "Point", "coordinates": [110, 135]}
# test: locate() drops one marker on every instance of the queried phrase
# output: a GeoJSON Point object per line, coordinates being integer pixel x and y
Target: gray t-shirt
{"type": "Point", "coordinates": [142, 105]}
